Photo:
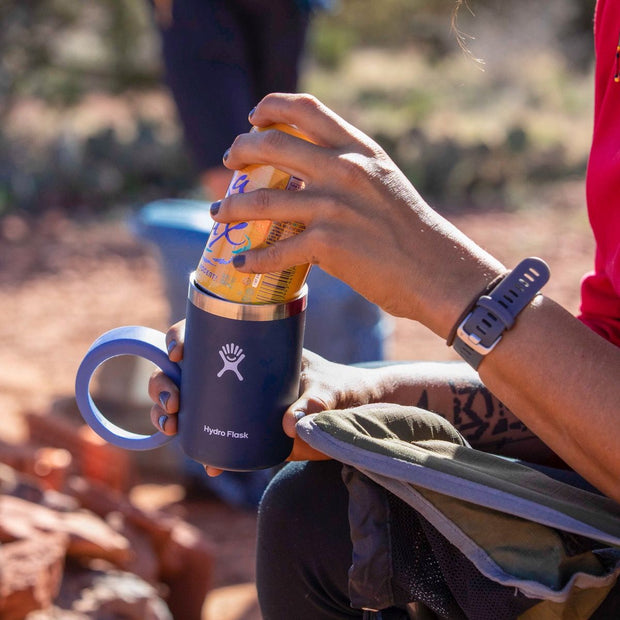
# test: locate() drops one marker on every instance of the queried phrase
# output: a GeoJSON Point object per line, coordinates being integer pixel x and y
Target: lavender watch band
{"type": "Point", "coordinates": [496, 312]}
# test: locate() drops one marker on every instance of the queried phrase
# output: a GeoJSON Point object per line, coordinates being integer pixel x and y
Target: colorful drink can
{"type": "Point", "coordinates": [215, 272]}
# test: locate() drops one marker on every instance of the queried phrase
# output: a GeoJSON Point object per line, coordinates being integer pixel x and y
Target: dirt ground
{"type": "Point", "coordinates": [63, 283]}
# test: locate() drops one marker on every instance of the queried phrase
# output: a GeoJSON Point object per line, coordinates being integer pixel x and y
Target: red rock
{"type": "Point", "coordinates": [31, 574]}
{"type": "Point", "coordinates": [30, 488]}
{"type": "Point", "coordinates": [185, 554]}
{"type": "Point", "coordinates": [144, 561]}
{"type": "Point", "coordinates": [236, 602]}
{"type": "Point", "coordinates": [94, 458]}
{"type": "Point", "coordinates": [102, 500]}
{"type": "Point", "coordinates": [186, 568]}
{"type": "Point", "coordinates": [52, 466]}
{"type": "Point", "coordinates": [88, 535]}
{"type": "Point", "coordinates": [116, 594]}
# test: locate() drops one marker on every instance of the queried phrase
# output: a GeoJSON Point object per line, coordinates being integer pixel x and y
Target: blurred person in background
{"type": "Point", "coordinates": [219, 59]}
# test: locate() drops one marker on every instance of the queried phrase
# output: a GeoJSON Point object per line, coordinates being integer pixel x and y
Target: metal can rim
{"type": "Point", "coordinates": [245, 312]}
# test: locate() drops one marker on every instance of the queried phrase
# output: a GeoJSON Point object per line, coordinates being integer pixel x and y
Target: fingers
{"type": "Point", "coordinates": [315, 395]}
{"type": "Point", "coordinates": [165, 394]}
{"type": "Point", "coordinates": [306, 405]}
{"type": "Point", "coordinates": [167, 423]}
{"type": "Point", "coordinates": [286, 152]}
{"type": "Point", "coordinates": [330, 134]}
{"type": "Point", "coordinates": [174, 341]}
{"type": "Point", "coordinates": [313, 118]}
{"type": "Point", "coordinates": [272, 204]}
{"type": "Point", "coordinates": [162, 390]}
{"type": "Point", "coordinates": [273, 258]}
{"type": "Point", "coordinates": [319, 216]}
{"type": "Point", "coordinates": [290, 419]}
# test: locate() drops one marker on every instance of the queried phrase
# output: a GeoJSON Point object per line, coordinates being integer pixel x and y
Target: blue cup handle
{"type": "Point", "coordinates": [131, 340]}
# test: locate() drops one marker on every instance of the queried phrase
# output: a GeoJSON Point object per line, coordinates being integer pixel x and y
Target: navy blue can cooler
{"type": "Point", "coordinates": [241, 367]}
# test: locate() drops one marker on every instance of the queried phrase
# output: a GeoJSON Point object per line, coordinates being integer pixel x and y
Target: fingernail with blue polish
{"type": "Point", "coordinates": [171, 345]}
{"type": "Point", "coordinates": [215, 207]}
{"type": "Point", "coordinates": [298, 415]}
{"type": "Point", "coordinates": [162, 421]}
{"type": "Point", "coordinates": [163, 399]}
{"type": "Point", "coordinates": [251, 114]}
{"type": "Point", "coordinates": [226, 154]}
{"type": "Point", "coordinates": [238, 260]}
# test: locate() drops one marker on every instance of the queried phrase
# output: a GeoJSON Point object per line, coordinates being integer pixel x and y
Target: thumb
{"type": "Point", "coordinates": [299, 409]}
{"type": "Point", "coordinates": [292, 415]}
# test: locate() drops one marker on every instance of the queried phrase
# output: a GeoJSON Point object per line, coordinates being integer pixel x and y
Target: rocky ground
{"type": "Point", "coordinates": [63, 283]}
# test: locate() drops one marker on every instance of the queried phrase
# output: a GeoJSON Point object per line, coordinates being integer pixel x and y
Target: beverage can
{"type": "Point", "coordinates": [215, 272]}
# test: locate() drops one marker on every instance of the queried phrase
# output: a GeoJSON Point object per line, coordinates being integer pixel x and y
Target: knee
{"type": "Point", "coordinates": [284, 500]}
{"type": "Point", "coordinates": [298, 496]}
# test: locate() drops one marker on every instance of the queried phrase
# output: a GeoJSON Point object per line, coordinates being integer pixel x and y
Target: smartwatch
{"type": "Point", "coordinates": [480, 331]}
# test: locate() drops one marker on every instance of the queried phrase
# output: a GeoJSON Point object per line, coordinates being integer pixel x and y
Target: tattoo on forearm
{"type": "Point", "coordinates": [483, 419]}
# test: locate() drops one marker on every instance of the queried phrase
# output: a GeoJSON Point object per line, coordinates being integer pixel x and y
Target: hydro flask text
{"type": "Point", "coordinates": [221, 433]}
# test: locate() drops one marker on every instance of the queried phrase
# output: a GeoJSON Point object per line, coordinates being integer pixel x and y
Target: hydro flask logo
{"type": "Point", "coordinates": [232, 355]}
{"type": "Point", "coordinates": [218, 432]}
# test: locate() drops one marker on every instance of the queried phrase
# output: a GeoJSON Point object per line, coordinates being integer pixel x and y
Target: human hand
{"type": "Point", "coordinates": [364, 221]}
{"type": "Point", "coordinates": [162, 390]}
{"type": "Point", "coordinates": [326, 385]}
{"type": "Point", "coordinates": [323, 385]}
{"type": "Point", "coordinates": [165, 394]}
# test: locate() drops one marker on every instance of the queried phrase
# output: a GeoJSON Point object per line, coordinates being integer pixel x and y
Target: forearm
{"type": "Point", "coordinates": [561, 380]}
{"type": "Point", "coordinates": [454, 391]}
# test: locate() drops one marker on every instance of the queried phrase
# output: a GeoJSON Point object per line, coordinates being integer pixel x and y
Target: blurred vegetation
{"type": "Point", "coordinates": [467, 133]}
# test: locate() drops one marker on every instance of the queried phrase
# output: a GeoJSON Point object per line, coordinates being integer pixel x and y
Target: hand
{"type": "Point", "coordinates": [324, 386]}
{"type": "Point", "coordinates": [365, 223]}
{"type": "Point", "coordinates": [162, 390]}
{"type": "Point", "coordinates": [165, 394]}
{"type": "Point", "coordinates": [318, 392]}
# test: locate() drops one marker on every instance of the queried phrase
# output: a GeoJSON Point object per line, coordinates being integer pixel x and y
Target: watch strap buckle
{"type": "Point", "coordinates": [494, 313]}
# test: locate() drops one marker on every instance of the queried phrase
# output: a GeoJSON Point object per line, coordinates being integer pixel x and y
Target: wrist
{"type": "Point", "coordinates": [495, 311]}
{"type": "Point", "coordinates": [459, 292]}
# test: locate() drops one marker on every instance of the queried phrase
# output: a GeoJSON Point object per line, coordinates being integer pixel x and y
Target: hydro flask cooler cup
{"type": "Point", "coordinates": [240, 371]}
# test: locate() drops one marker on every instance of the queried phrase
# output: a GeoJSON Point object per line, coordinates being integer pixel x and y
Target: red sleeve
{"type": "Point", "coordinates": [600, 290]}
{"type": "Point", "coordinates": [600, 306]}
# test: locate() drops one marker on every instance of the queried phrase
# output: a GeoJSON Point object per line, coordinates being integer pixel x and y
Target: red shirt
{"type": "Point", "coordinates": [600, 290]}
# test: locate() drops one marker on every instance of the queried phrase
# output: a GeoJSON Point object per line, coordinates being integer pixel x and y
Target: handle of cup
{"type": "Point", "coordinates": [130, 340]}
